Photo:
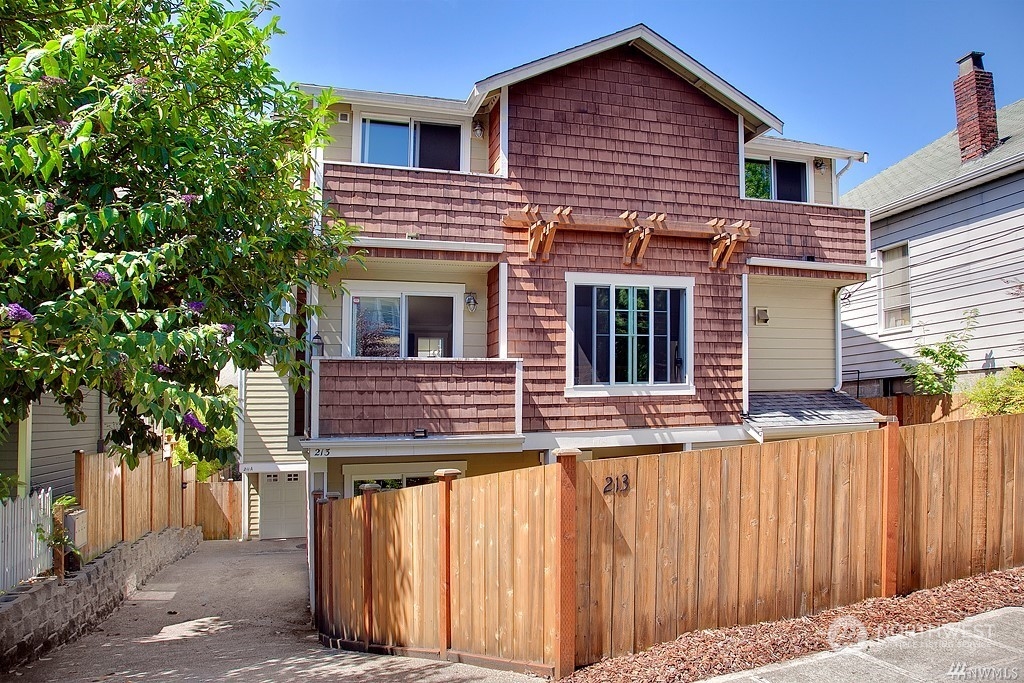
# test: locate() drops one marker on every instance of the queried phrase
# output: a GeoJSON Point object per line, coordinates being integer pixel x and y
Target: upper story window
{"type": "Point", "coordinates": [407, 142]}
{"type": "Point", "coordinates": [895, 262]}
{"type": "Point", "coordinates": [403, 320]}
{"type": "Point", "coordinates": [776, 179]}
{"type": "Point", "coordinates": [629, 334]}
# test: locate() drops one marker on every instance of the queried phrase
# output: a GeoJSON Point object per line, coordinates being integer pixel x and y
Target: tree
{"type": "Point", "coordinates": [937, 366]}
{"type": "Point", "coordinates": [153, 211]}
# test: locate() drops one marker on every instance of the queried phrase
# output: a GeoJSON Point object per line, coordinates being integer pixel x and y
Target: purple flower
{"type": "Point", "coordinates": [196, 306]}
{"type": "Point", "coordinates": [138, 81]}
{"type": "Point", "coordinates": [160, 369]}
{"type": "Point", "coordinates": [49, 208]}
{"type": "Point", "coordinates": [227, 328]}
{"type": "Point", "coordinates": [51, 82]}
{"type": "Point", "coordinates": [188, 199]}
{"type": "Point", "coordinates": [192, 422]}
{"type": "Point", "coordinates": [103, 277]}
{"type": "Point", "coordinates": [19, 314]}
{"type": "Point", "coordinates": [62, 124]}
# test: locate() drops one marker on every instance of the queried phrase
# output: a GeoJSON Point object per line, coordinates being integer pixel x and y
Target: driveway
{"type": "Point", "coordinates": [230, 611]}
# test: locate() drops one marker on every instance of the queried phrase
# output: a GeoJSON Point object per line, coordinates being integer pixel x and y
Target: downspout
{"type": "Point", "coordinates": [839, 339]}
{"type": "Point", "coordinates": [844, 169]}
{"type": "Point", "coordinates": [746, 351]}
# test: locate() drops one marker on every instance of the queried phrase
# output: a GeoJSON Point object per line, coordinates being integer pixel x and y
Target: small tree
{"type": "Point", "coordinates": [154, 210]}
{"type": "Point", "coordinates": [936, 366]}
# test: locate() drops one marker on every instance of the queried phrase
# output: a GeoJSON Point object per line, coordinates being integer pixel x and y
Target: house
{"type": "Point", "coordinates": [599, 249]}
{"type": "Point", "coordinates": [39, 450]}
{"type": "Point", "coordinates": [945, 224]}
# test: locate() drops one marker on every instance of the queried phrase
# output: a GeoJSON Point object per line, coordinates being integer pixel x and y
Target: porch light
{"type": "Point", "coordinates": [471, 302]}
{"type": "Point", "coordinates": [318, 345]}
{"type": "Point", "coordinates": [478, 129]}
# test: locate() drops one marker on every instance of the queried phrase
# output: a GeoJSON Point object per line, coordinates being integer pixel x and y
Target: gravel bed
{"type": "Point", "coordinates": [703, 654]}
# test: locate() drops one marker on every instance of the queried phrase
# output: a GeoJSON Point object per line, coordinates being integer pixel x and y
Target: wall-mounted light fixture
{"type": "Point", "coordinates": [471, 302]}
{"type": "Point", "coordinates": [819, 164]}
{"type": "Point", "coordinates": [760, 316]}
{"type": "Point", "coordinates": [318, 345]}
{"type": "Point", "coordinates": [478, 129]}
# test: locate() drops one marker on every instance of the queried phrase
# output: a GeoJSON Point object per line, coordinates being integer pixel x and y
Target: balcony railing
{"type": "Point", "coordinates": [391, 397]}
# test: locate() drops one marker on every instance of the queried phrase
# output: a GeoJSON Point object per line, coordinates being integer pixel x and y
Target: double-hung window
{"type": "Point", "coordinates": [629, 334]}
{"type": "Point", "coordinates": [404, 320]}
{"type": "Point", "coordinates": [776, 179]}
{"type": "Point", "coordinates": [408, 142]}
{"type": "Point", "coordinates": [895, 262]}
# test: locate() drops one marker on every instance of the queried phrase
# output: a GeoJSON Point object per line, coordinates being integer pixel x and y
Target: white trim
{"type": "Point", "coordinates": [503, 169]}
{"type": "Point", "coordinates": [240, 420]}
{"type": "Point", "coordinates": [626, 280]}
{"type": "Point", "coordinates": [314, 395]}
{"type": "Point", "coordinates": [273, 467]}
{"type": "Point", "coordinates": [372, 99]}
{"type": "Point", "coordinates": [503, 309]}
{"type": "Point", "coordinates": [743, 158]}
{"type": "Point", "coordinates": [407, 446]}
{"type": "Point", "coordinates": [457, 291]}
{"type": "Point", "coordinates": [767, 262]}
{"type": "Point", "coordinates": [412, 169]}
{"type": "Point", "coordinates": [430, 245]}
{"type": "Point", "coordinates": [744, 302]}
{"type": "Point", "coordinates": [808, 178]}
{"type": "Point", "coordinates": [519, 397]}
{"type": "Point", "coordinates": [361, 115]}
{"type": "Point", "coordinates": [783, 146]}
{"type": "Point", "coordinates": [387, 470]}
{"type": "Point", "coordinates": [949, 187]}
{"type": "Point", "coordinates": [805, 431]}
{"type": "Point", "coordinates": [882, 330]}
{"type": "Point", "coordinates": [587, 440]}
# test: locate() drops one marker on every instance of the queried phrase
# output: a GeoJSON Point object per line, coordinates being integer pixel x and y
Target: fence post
{"type": "Point", "coordinates": [444, 558]}
{"type": "Point", "coordinates": [314, 569]}
{"type": "Point", "coordinates": [891, 470]}
{"type": "Point", "coordinates": [368, 490]}
{"type": "Point", "coordinates": [565, 563]}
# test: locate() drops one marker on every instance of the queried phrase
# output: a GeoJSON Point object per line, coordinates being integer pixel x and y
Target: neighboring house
{"type": "Point", "coordinates": [945, 230]}
{"type": "Point", "coordinates": [40, 449]}
{"type": "Point", "coordinates": [688, 299]}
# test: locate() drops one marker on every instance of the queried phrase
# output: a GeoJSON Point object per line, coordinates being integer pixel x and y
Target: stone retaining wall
{"type": "Point", "coordinates": [38, 616]}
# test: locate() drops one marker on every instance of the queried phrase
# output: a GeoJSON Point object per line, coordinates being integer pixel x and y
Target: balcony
{"type": "Point", "coordinates": [394, 397]}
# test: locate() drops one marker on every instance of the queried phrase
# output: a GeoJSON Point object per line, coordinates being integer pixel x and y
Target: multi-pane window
{"type": "Point", "coordinates": [630, 335]}
{"type": "Point", "coordinates": [776, 179]}
{"type": "Point", "coordinates": [403, 325]}
{"type": "Point", "coordinates": [895, 287]}
{"type": "Point", "coordinates": [412, 143]}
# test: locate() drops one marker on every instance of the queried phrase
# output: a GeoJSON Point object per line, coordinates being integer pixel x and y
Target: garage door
{"type": "Point", "coordinates": [283, 505]}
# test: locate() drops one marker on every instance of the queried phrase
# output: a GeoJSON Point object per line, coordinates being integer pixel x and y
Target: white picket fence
{"type": "Point", "coordinates": [22, 554]}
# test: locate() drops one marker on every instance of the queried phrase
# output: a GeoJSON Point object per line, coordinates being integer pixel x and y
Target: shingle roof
{"type": "Point", "coordinates": [807, 408]}
{"type": "Point", "coordinates": [938, 163]}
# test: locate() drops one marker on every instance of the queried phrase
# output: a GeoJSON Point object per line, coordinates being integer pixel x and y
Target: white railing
{"type": "Point", "coordinates": [22, 554]}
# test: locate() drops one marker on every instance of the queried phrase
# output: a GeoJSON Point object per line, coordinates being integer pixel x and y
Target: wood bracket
{"type": "Point", "coordinates": [724, 243]}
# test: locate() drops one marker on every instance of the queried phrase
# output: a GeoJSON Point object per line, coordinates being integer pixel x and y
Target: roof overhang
{"type": "Point", "coordinates": [756, 118]}
{"type": "Point", "coordinates": [771, 145]}
{"type": "Point", "coordinates": [763, 434]}
{"type": "Point", "coordinates": [405, 446]}
{"type": "Point", "coordinates": [824, 266]}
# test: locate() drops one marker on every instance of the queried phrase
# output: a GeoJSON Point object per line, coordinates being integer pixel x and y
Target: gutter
{"type": "Point", "coordinates": [953, 186]}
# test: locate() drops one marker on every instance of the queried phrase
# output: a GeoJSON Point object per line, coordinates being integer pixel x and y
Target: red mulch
{"type": "Point", "coordinates": [703, 654]}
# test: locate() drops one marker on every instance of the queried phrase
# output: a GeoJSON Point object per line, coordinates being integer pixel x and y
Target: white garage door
{"type": "Point", "coordinates": [283, 505]}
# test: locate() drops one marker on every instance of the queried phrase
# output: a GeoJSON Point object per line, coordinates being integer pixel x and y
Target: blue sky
{"type": "Point", "coordinates": [861, 74]}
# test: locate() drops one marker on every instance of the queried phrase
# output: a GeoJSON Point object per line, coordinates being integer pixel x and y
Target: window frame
{"type": "Point", "coordinates": [882, 328]}
{"type": "Point", "coordinates": [394, 470]}
{"type": "Point", "coordinates": [403, 290]}
{"type": "Point", "coordinates": [808, 177]}
{"type": "Point", "coordinates": [627, 280]}
{"type": "Point", "coordinates": [360, 116]}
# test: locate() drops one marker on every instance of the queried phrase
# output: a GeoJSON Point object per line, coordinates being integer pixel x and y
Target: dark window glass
{"type": "Point", "coordinates": [439, 146]}
{"type": "Point", "coordinates": [584, 333]}
{"type": "Point", "coordinates": [386, 142]}
{"type": "Point", "coordinates": [791, 181]}
{"type": "Point", "coordinates": [602, 340]}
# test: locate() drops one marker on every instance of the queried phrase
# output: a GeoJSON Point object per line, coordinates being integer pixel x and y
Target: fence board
{"type": "Point", "coordinates": [750, 487]}
{"type": "Point", "coordinates": [768, 534]}
{"type": "Point", "coordinates": [729, 545]}
{"type": "Point", "coordinates": [785, 603]}
{"type": "Point", "coordinates": [22, 554]}
{"type": "Point", "coordinates": [218, 509]}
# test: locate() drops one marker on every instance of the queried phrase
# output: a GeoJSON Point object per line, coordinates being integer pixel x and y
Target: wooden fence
{"type": "Point", "coordinates": [553, 567]}
{"type": "Point", "coordinates": [919, 410]}
{"type": "Point", "coordinates": [124, 504]}
{"type": "Point", "coordinates": [22, 553]}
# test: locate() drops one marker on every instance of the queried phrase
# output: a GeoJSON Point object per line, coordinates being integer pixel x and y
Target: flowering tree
{"type": "Point", "coordinates": [152, 210]}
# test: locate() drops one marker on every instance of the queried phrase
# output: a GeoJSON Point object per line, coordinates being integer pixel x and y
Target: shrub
{"type": "Point", "coordinates": [999, 394]}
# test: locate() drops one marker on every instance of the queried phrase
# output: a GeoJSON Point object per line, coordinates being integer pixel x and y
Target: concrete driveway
{"type": "Point", "coordinates": [230, 611]}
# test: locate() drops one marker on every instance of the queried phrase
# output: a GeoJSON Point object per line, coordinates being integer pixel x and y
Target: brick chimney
{"type": "Point", "coordinates": [975, 98]}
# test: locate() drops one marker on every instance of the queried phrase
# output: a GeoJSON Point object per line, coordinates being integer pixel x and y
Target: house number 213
{"type": "Point", "coordinates": [619, 484]}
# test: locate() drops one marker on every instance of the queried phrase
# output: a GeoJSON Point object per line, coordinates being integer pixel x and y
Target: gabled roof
{"type": "Point", "coordinates": [935, 171]}
{"type": "Point", "coordinates": [756, 118]}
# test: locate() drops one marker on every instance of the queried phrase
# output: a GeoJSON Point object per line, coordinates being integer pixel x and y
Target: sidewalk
{"type": "Point", "coordinates": [986, 647]}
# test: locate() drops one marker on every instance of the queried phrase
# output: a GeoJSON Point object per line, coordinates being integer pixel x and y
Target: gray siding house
{"type": "Point", "coordinates": [946, 231]}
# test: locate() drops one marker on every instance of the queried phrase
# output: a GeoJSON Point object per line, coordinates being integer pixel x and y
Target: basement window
{"type": "Point", "coordinates": [776, 179]}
